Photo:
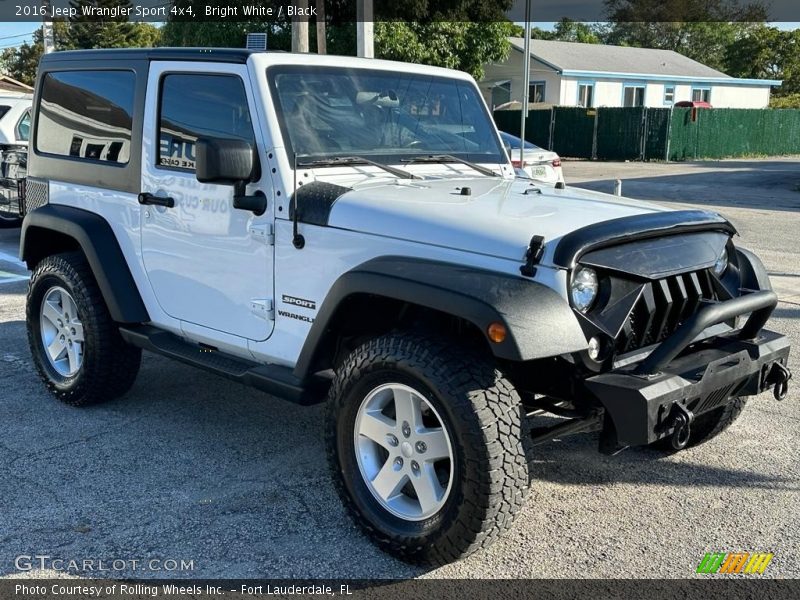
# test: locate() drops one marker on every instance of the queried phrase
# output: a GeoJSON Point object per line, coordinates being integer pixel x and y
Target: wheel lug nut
{"type": "Point", "coordinates": [62, 338]}
{"type": "Point", "coordinates": [406, 429]}
{"type": "Point", "coordinates": [421, 447]}
{"type": "Point", "coordinates": [392, 439]}
{"type": "Point", "coordinates": [398, 463]}
{"type": "Point", "coordinates": [415, 467]}
{"type": "Point", "coordinates": [72, 331]}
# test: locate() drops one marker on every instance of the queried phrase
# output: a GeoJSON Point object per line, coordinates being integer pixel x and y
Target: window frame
{"type": "Point", "coordinates": [157, 147]}
{"type": "Point", "coordinates": [533, 84]}
{"type": "Point", "coordinates": [27, 113]}
{"type": "Point", "coordinates": [705, 90]}
{"type": "Point", "coordinates": [33, 142]}
{"type": "Point", "coordinates": [673, 87]}
{"type": "Point", "coordinates": [634, 86]}
{"type": "Point", "coordinates": [588, 84]}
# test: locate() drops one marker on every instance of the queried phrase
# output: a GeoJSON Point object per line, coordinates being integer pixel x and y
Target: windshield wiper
{"type": "Point", "coordinates": [347, 161]}
{"type": "Point", "coordinates": [449, 158]}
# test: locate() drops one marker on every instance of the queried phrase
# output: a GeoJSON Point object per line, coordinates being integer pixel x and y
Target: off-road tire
{"type": "Point", "coordinates": [714, 422]}
{"type": "Point", "coordinates": [484, 418]}
{"type": "Point", "coordinates": [110, 365]}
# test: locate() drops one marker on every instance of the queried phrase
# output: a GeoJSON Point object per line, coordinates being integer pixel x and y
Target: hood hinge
{"type": "Point", "coordinates": [532, 256]}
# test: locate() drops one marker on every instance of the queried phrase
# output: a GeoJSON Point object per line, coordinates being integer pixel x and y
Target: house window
{"type": "Point", "coordinates": [536, 91]}
{"type": "Point", "coordinates": [633, 96]}
{"type": "Point", "coordinates": [586, 95]}
{"type": "Point", "coordinates": [669, 94]}
{"type": "Point", "coordinates": [501, 93]}
{"type": "Point", "coordinates": [701, 95]}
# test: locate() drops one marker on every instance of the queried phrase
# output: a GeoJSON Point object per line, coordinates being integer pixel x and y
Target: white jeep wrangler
{"type": "Point", "coordinates": [305, 224]}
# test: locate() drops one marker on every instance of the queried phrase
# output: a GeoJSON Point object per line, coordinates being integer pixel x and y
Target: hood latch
{"type": "Point", "coordinates": [532, 256]}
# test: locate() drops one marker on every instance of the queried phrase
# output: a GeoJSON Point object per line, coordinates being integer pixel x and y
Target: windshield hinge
{"type": "Point", "coordinates": [262, 232]}
{"type": "Point", "coordinates": [532, 256]}
{"type": "Point", "coordinates": [263, 309]}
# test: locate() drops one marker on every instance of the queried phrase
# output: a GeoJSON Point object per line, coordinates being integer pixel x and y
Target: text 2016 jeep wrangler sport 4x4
{"type": "Point", "coordinates": [299, 222]}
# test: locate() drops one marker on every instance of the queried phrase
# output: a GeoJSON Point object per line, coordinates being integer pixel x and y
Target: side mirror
{"type": "Point", "coordinates": [224, 161]}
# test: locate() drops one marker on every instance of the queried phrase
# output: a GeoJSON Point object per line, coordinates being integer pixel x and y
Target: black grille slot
{"type": "Point", "coordinates": [662, 307]}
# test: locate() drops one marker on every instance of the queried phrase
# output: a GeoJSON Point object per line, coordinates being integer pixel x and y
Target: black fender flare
{"type": "Point", "coordinates": [96, 239]}
{"type": "Point", "coordinates": [752, 272]}
{"type": "Point", "coordinates": [540, 323]}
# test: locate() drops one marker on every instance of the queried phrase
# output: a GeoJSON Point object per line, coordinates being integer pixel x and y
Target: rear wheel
{"type": "Point", "coordinates": [427, 447]}
{"type": "Point", "coordinates": [76, 347]}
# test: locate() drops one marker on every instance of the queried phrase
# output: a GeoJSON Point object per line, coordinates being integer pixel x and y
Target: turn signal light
{"type": "Point", "coordinates": [497, 332]}
{"type": "Point", "coordinates": [556, 162]}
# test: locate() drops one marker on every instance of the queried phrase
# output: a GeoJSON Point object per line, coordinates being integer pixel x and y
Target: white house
{"type": "Point", "coordinates": [594, 75]}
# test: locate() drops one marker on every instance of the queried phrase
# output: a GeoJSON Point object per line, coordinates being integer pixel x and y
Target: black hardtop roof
{"type": "Point", "coordinates": [229, 55]}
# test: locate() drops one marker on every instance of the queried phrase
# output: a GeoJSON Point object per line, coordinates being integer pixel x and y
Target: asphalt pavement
{"type": "Point", "coordinates": [191, 468]}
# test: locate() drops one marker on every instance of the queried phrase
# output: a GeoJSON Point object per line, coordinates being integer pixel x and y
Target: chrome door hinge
{"type": "Point", "coordinates": [263, 309]}
{"type": "Point", "coordinates": [263, 232]}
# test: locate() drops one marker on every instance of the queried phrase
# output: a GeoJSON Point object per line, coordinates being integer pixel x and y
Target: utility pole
{"type": "Point", "coordinates": [365, 31]}
{"type": "Point", "coordinates": [300, 28]}
{"type": "Point", "coordinates": [48, 41]}
{"type": "Point", "coordinates": [321, 41]}
{"type": "Point", "coordinates": [526, 80]}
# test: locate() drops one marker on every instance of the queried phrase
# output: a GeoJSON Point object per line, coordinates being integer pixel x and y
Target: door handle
{"type": "Point", "coordinates": [148, 198]}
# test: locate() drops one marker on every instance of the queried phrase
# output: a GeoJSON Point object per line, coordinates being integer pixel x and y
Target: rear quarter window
{"type": "Point", "coordinates": [86, 115]}
{"type": "Point", "coordinates": [4, 110]}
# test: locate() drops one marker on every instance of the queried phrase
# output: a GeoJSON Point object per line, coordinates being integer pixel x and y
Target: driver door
{"type": "Point", "coordinates": [209, 265]}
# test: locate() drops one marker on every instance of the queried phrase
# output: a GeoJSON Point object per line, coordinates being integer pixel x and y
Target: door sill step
{"type": "Point", "coordinates": [273, 379]}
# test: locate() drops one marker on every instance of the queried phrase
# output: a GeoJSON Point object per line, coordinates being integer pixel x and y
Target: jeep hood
{"type": "Point", "coordinates": [497, 218]}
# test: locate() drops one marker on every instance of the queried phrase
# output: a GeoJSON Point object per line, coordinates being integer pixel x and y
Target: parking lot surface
{"type": "Point", "coordinates": [190, 467]}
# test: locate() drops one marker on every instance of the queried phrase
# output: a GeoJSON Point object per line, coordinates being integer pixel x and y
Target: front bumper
{"type": "Point", "coordinates": [649, 401]}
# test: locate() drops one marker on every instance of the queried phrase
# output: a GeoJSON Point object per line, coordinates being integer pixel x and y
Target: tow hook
{"type": "Point", "coordinates": [779, 376]}
{"type": "Point", "coordinates": [682, 427]}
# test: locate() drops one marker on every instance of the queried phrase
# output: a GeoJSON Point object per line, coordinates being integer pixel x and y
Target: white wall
{"type": "Point", "coordinates": [512, 70]}
{"type": "Point", "coordinates": [739, 96]}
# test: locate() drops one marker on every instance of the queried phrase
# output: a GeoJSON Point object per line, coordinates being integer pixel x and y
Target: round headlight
{"type": "Point", "coordinates": [721, 264]}
{"type": "Point", "coordinates": [583, 288]}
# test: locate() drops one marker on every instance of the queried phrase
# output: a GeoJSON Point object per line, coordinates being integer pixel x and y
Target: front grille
{"type": "Point", "coordinates": [662, 306]}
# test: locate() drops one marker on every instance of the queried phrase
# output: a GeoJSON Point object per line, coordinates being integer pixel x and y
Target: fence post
{"type": "Point", "coordinates": [594, 134]}
{"type": "Point", "coordinates": [552, 128]}
{"type": "Point", "coordinates": [669, 134]}
{"type": "Point", "coordinates": [643, 134]}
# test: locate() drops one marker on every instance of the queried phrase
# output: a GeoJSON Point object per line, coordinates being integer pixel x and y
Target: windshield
{"type": "Point", "coordinates": [325, 112]}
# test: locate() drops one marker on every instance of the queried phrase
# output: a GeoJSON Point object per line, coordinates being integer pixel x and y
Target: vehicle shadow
{"type": "Point", "coordinates": [191, 467]}
{"type": "Point", "coordinates": [765, 184]}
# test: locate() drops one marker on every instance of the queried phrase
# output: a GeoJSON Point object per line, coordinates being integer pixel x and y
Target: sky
{"type": "Point", "coordinates": [15, 34]}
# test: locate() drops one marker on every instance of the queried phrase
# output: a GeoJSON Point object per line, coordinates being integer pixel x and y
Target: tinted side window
{"type": "Point", "coordinates": [4, 110]}
{"type": "Point", "coordinates": [197, 106]}
{"type": "Point", "coordinates": [86, 115]}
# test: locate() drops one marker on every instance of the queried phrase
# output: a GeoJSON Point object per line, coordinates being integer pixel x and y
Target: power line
{"type": "Point", "coordinates": [10, 37]}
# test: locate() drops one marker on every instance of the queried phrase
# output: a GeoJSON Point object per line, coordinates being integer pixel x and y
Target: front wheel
{"type": "Point", "coordinates": [427, 447]}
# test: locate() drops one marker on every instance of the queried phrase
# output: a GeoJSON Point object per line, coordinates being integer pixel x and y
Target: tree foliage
{"type": "Point", "coordinates": [80, 33]}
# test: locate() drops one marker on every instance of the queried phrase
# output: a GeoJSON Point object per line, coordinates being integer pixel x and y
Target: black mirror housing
{"type": "Point", "coordinates": [224, 161]}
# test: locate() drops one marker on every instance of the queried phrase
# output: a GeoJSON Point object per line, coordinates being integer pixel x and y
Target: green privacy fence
{"type": "Point", "coordinates": [658, 133]}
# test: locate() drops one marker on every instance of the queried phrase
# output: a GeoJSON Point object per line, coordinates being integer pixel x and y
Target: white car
{"type": "Point", "coordinates": [15, 125]}
{"type": "Point", "coordinates": [15, 119]}
{"type": "Point", "coordinates": [538, 163]}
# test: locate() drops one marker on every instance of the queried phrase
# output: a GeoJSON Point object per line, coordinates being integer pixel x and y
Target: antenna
{"type": "Point", "coordinates": [297, 240]}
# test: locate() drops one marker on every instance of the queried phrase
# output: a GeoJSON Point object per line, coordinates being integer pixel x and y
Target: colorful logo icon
{"type": "Point", "coordinates": [735, 562]}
